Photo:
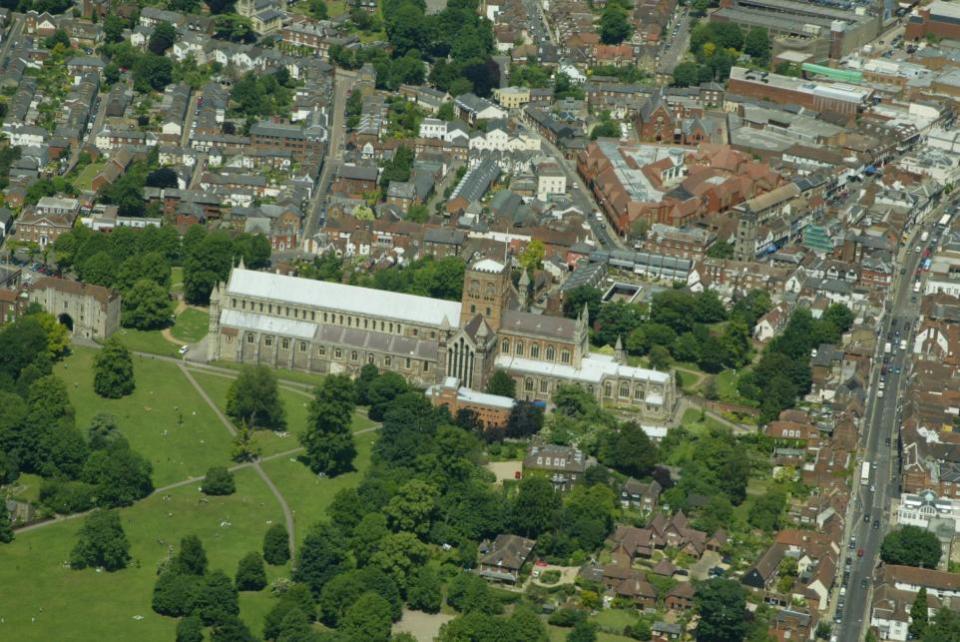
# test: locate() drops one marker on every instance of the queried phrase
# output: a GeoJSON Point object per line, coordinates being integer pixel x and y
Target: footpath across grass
{"type": "Point", "coordinates": [45, 600]}
{"type": "Point", "coordinates": [165, 419]}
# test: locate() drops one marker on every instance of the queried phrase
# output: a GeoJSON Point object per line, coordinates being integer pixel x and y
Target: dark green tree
{"type": "Point", "coordinates": [231, 629]}
{"type": "Point", "coordinates": [525, 420]}
{"type": "Point", "coordinates": [919, 615]}
{"type": "Point", "coordinates": [502, 384]}
{"type": "Point", "coordinates": [6, 526]}
{"type": "Point", "coordinates": [322, 556]}
{"type": "Point", "coordinates": [251, 575]}
{"type": "Point", "coordinates": [583, 631]}
{"type": "Point", "coordinates": [575, 300]}
{"type": "Point", "coordinates": [722, 606]}
{"type": "Point", "coordinates": [217, 599]}
{"type": "Point", "coordinates": [192, 558]}
{"type": "Point", "coordinates": [536, 506]}
{"type": "Point", "coordinates": [425, 592]}
{"type": "Point", "coordinates": [757, 45]}
{"type": "Point", "coordinates": [162, 38]}
{"type": "Point", "coordinates": [296, 597]}
{"type": "Point", "coordinates": [113, 371]}
{"type": "Point", "coordinates": [276, 545]}
{"type": "Point", "coordinates": [119, 475]}
{"type": "Point", "coordinates": [368, 619]}
{"type": "Point", "coordinates": [218, 481]}
{"type": "Point", "coordinates": [345, 589]}
{"type": "Point", "coordinates": [101, 543]}
{"type": "Point", "coordinates": [911, 546]}
{"type": "Point", "coordinates": [254, 399]}
{"type": "Point", "coordinates": [175, 593]}
{"type": "Point", "coordinates": [146, 306]}
{"type": "Point", "coordinates": [190, 629]}
{"type": "Point", "coordinates": [615, 26]}
{"type": "Point", "coordinates": [152, 73]}
{"type": "Point", "coordinates": [629, 451]}
{"type": "Point", "coordinates": [328, 440]}
{"type": "Point", "coordinates": [368, 374]}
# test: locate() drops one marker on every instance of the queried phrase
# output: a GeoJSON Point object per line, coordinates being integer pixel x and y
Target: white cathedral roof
{"type": "Point", "coordinates": [292, 290]}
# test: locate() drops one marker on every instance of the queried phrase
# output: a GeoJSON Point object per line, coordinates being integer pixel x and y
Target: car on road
{"type": "Point", "coordinates": [873, 488]}
{"type": "Point", "coordinates": [866, 518]}
{"type": "Point", "coordinates": [183, 350]}
{"type": "Point", "coordinates": [859, 552]}
{"type": "Point", "coordinates": [876, 524]}
{"type": "Point", "coordinates": [887, 441]}
{"type": "Point", "coordinates": [864, 583]}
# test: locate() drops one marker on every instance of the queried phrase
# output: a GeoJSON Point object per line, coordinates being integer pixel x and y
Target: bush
{"type": "Point", "coordinates": [276, 545]}
{"type": "Point", "coordinates": [66, 497]}
{"type": "Point", "coordinates": [251, 575]}
{"type": "Point", "coordinates": [566, 617]}
{"type": "Point", "coordinates": [550, 577]}
{"type": "Point", "coordinates": [175, 593]}
{"type": "Point", "coordinates": [219, 481]}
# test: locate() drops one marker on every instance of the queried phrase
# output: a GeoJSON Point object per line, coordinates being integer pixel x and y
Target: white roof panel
{"type": "Point", "coordinates": [268, 325]}
{"type": "Point", "coordinates": [293, 290]}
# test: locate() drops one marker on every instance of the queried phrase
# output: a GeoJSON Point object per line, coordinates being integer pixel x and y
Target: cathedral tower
{"type": "Point", "coordinates": [486, 291]}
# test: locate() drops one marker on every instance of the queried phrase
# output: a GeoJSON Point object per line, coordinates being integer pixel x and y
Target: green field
{"type": "Point", "coordinates": [191, 325]}
{"type": "Point", "coordinates": [295, 402]}
{"type": "Point", "coordinates": [146, 341]}
{"type": "Point", "coordinates": [165, 418]}
{"type": "Point", "coordinates": [44, 600]}
{"type": "Point", "coordinates": [296, 376]}
{"type": "Point", "coordinates": [308, 495]}
{"type": "Point", "coordinates": [176, 279]}
{"type": "Point", "coordinates": [84, 179]}
{"type": "Point", "coordinates": [693, 422]}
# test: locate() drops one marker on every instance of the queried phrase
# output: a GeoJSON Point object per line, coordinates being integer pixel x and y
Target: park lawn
{"type": "Point", "coordinates": [89, 606]}
{"type": "Point", "coordinates": [84, 180]}
{"type": "Point", "coordinates": [150, 341]}
{"type": "Point", "coordinates": [176, 279]}
{"type": "Point", "coordinates": [191, 325]}
{"type": "Point", "coordinates": [309, 495]}
{"type": "Point", "coordinates": [296, 376]}
{"type": "Point", "coordinates": [165, 419]}
{"type": "Point", "coordinates": [692, 421]}
{"type": "Point", "coordinates": [688, 380]}
{"type": "Point", "coordinates": [726, 385]}
{"type": "Point", "coordinates": [270, 443]}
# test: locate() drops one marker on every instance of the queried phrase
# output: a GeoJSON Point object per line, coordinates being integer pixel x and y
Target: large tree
{"type": "Point", "coordinates": [254, 399]}
{"type": "Point", "coordinates": [328, 439]}
{"type": "Point", "coordinates": [113, 371]}
{"type": "Point", "coordinates": [722, 606]}
{"type": "Point", "coordinates": [146, 306]}
{"type": "Point", "coordinates": [615, 25]}
{"type": "Point", "coordinates": [502, 384]}
{"type": "Point", "coordinates": [162, 38]}
{"type": "Point", "coordinates": [369, 619]}
{"type": "Point", "coordinates": [119, 475]}
{"type": "Point", "coordinates": [251, 575]}
{"type": "Point", "coordinates": [217, 599]}
{"type": "Point", "coordinates": [919, 615]}
{"type": "Point", "coordinates": [911, 546]}
{"type": "Point", "coordinates": [629, 450]}
{"type": "Point", "coordinates": [101, 543]}
{"type": "Point", "coordinates": [276, 545]}
{"type": "Point", "coordinates": [322, 556]}
{"type": "Point", "coordinates": [536, 506]}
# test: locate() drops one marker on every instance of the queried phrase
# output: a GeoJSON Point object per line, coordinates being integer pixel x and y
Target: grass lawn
{"type": "Point", "coordinates": [688, 380]}
{"type": "Point", "coordinates": [84, 179]}
{"type": "Point", "coordinates": [176, 279]}
{"type": "Point", "coordinates": [146, 341]}
{"type": "Point", "coordinates": [191, 325]}
{"type": "Point", "coordinates": [308, 495]}
{"type": "Point", "coordinates": [692, 421]}
{"type": "Point", "coordinates": [26, 488]}
{"type": "Point", "coordinates": [614, 619]}
{"type": "Point", "coordinates": [559, 634]}
{"type": "Point", "coordinates": [755, 488]}
{"type": "Point", "coordinates": [86, 606]}
{"type": "Point", "coordinates": [295, 402]}
{"type": "Point", "coordinates": [149, 417]}
{"type": "Point", "coordinates": [297, 376]}
{"type": "Point", "coordinates": [726, 383]}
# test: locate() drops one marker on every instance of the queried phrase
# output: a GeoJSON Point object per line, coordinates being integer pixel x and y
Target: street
{"type": "Point", "coordinates": [677, 47]}
{"type": "Point", "coordinates": [879, 447]}
{"type": "Point", "coordinates": [342, 82]}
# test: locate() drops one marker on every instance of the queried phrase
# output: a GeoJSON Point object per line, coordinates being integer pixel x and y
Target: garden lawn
{"type": "Point", "coordinates": [150, 341]}
{"type": "Point", "coordinates": [613, 620]}
{"type": "Point", "coordinates": [191, 325]}
{"type": "Point", "coordinates": [309, 495]}
{"type": "Point", "coordinates": [85, 605]}
{"type": "Point", "coordinates": [84, 180]}
{"type": "Point", "coordinates": [559, 634]}
{"type": "Point", "coordinates": [151, 416]}
{"type": "Point", "coordinates": [726, 384]}
{"type": "Point", "coordinates": [692, 421]}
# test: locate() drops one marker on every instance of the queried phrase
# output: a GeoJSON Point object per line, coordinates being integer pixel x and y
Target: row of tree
{"type": "Point", "coordinates": [716, 47]}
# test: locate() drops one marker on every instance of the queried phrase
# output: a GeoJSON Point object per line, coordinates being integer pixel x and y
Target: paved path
{"type": "Point", "coordinates": [287, 513]}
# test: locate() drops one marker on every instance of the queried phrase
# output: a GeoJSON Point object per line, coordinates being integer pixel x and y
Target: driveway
{"type": "Point", "coordinates": [709, 559]}
{"type": "Point", "coordinates": [505, 469]}
{"type": "Point", "coordinates": [423, 626]}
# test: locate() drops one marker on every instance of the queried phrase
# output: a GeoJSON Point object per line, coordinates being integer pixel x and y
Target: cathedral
{"type": "Point", "coordinates": [303, 324]}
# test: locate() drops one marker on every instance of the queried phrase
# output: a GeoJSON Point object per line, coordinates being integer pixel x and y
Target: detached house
{"type": "Point", "coordinates": [562, 465]}
{"type": "Point", "coordinates": [502, 559]}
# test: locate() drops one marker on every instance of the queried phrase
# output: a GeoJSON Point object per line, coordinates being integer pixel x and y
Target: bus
{"type": "Point", "coordinates": [865, 472]}
{"type": "Point", "coordinates": [944, 221]}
